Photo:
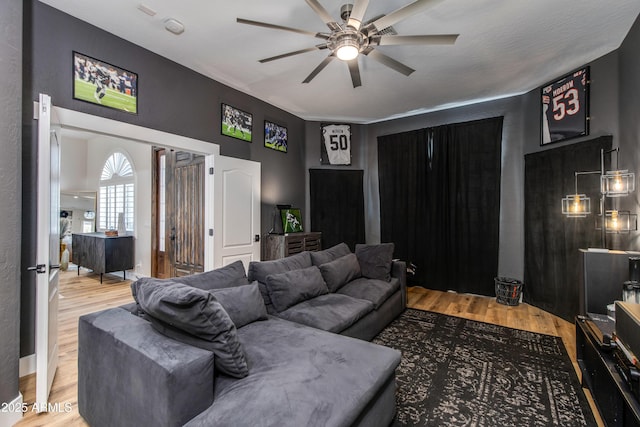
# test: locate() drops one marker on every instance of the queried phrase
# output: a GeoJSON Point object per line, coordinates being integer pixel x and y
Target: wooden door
{"type": "Point", "coordinates": [185, 173]}
{"type": "Point", "coordinates": [160, 266]}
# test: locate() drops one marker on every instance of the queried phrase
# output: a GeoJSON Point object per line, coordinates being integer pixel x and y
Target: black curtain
{"type": "Point", "coordinates": [440, 202]}
{"type": "Point", "coordinates": [552, 242]}
{"type": "Point", "coordinates": [337, 206]}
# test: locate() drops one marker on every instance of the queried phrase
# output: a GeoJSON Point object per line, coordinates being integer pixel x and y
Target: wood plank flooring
{"type": "Point", "coordinates": [84, 294]}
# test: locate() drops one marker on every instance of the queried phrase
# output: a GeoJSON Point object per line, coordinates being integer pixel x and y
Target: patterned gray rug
{"type": "Point", "coordinates": [458, 372]}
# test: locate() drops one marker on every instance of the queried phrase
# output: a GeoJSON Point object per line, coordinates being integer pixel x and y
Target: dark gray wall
{"type": "Point", "coordinates": [629, 109]}
{"type": "Point", "coordinates": [614, 90]}
{"type": "Point", "coordinates": [172, 98]}
{"type": "Point", "coordinates": [10, 185]}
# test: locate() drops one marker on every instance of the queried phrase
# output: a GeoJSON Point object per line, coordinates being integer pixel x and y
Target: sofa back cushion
{"type": "Point", "coordinates": [292, 287]}
{"type": "Point", "coordinates": [375, 260]}
{"type": "Point", "coordinates": [259, 270]}
{"type": "Point", "coordinates": [224, 277]}
{"type": "Point", "coordinates": [243, 304]}
{"type": "Point", "coordinates": [195, 317]}
{"type": "Point", "coordinates": [340, 271]}
{"type": "Point", "coordinates": [328, 255]}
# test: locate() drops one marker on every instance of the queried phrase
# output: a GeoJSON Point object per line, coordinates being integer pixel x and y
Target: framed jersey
{"type": "Point", "coordinates": [335, 145]}
{"type": "Point", "coordinates": [565, 108]}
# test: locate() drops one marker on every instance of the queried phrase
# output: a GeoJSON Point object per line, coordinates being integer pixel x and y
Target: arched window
{"type": "Point", "coordinates": [116, 193]}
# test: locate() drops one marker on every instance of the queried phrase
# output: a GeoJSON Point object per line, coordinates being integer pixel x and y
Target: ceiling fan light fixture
{"type": "Point", "coordinates": [347, 52]}
{"type": "Point", "coordinates": [347, 46]}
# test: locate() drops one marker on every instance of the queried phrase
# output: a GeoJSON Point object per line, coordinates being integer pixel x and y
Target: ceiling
{"type": "Point", "coordinates": [505, 48]}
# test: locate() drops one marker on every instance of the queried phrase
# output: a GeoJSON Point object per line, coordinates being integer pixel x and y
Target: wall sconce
{"type": "Point", "coordinates": [618, 222]}
{"type": "Point", "coordinates": [615, 183]}
{"type": "Point", "coordinates": [576, 206]}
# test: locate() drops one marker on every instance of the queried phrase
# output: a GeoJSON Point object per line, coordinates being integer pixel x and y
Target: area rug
{"type": "Point", "coordinates": [458, 372]}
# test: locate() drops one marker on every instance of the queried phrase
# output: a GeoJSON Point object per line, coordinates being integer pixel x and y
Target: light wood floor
{"type": "Point", "coordinates": [84, 294]}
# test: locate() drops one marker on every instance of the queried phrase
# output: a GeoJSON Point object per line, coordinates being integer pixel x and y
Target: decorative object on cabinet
{"type": "Point", "coordinates": [278, 246]}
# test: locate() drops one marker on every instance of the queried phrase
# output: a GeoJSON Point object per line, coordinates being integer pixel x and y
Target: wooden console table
{"type": "Point", "coordinates": [102, 254]}
{"type": "Point", "coordinates": [278, 246]}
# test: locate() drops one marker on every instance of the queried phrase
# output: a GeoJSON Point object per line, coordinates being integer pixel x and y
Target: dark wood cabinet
{"type": "Point", "coordinates": [101, 253]}
{"type": "Point", "coordinates": [278, 246]}
{"type": "Point", "coordinates": [617, 405]}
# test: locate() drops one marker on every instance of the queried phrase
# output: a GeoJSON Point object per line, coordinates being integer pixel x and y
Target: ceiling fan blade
{"type": "Point", "coordinates": [357, 13]}
{"type": "Point", "coordinates": [319, 68]}
{"type": "Point", "coordinates": [390, 62]}
{"type": "Point", "coordinates": [280, 27]}
{"type": "Point", "coordinates": [297, 52]}
{"type": "Point", "coordinates": [402, 13]}
{"type": "Point", "coordinates": [354, 70]}
{"type": "Point", "coordinates": [430, 39]}
{"type": "Point", "coordinates": [323, 14]}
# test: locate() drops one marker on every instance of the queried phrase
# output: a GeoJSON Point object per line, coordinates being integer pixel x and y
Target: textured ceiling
{"type": "Point", "coordinates": [506, 47]}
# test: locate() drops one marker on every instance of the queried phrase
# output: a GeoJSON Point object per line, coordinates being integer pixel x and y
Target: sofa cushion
{"type": "Point", "coordinates": [300, 376]}
{"type": "Point", "coordinates": [330, 312]}
{"type": "Point", "coordinates": [224, 277]}
{"type": "Point", "coordinates": [374, 290]}
{"type": "Point", "coordinates": [259, 270]}
{"type": "Point", "coordinates": [292, 287]}
{"type": "Point", "coordinates": [328, 255]}
{"type": "Point", "coordinates": [375, 260]}
{"type": "Point", "coordinates": [340, 271]}
{"type": "Point", "coordinates": [243, 304]}
{"type": "Point", "coordinates": [195, 317]}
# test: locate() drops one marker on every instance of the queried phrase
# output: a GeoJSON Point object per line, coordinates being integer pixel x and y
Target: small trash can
{"type": "Point", "coordinates": [508, 290]}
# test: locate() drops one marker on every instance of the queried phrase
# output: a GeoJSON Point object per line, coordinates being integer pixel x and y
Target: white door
{"type": "Point", "coordinates": [236, 210]}
{"type": "Point", "coordinates": [48, 253]}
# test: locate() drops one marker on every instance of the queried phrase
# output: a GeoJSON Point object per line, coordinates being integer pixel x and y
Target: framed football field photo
{"type": "Point", "coordinates": [101, 83]}
{"type": "Point", "coordinates": [565, 108]}
{"type": "Point", "coordinates": [236, 123]}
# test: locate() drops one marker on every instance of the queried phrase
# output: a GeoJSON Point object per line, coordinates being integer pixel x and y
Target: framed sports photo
{"type": "Point", "coordinates": [335, 145]}
{"type": "Point", "coordinates": [565, 108]}
{"type": "Point", "coordinates": [236, 123]}
{"type": "Point", "coordinates": [101, 83]}
{"type": "Point", "coordinates": [275, 136]}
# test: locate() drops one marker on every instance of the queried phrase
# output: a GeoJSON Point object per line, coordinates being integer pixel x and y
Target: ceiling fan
{"type": "Point", "coordinates": [348, 39]}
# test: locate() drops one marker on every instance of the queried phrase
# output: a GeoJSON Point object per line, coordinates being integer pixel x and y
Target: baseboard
{"type": "Point", "coordinates": [27, 365]}
{"type": "Point", "coordinates": [13, 412]}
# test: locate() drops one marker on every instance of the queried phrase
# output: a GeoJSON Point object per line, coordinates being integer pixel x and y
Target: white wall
{"type": "Point", "coordinates": [73, 164]}
{"type": "Point", "coordinates": [96, 151]}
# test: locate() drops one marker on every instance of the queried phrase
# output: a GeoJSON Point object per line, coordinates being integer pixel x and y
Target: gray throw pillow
{"type": "Point", "coordinates": [243, 304]}
{"type": "Point", "coordinates": [375, 260]}
{"type": "Point", "coordinates": [290, 288]}
{"type": "Point", "coordinates": [341, 271]}
{"type": "Point", "coordinates": [195, 317]}
{"type": "Point", "coordinates": [328, 255]}
{"type": "Point", "coordinates": [224, 277]}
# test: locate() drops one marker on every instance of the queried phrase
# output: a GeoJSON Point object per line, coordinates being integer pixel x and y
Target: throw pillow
{"type": "Point", "coordinates": [328, 255]}
{"type": "Point", "coordinates": [243, 304]}
{"type": "Point", "coordinates": [195, 317]}
{"type": "Point", "coordinates": [375, 260]}
{"type": "Point", "coordinates": [341, 271]}
{"type": "Point", "coordinates": [224, 277]}
{"type": "Point", "coordinates": [289, 288]}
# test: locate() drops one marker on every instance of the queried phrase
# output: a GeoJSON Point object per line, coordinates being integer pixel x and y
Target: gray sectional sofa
{"type": "Point", "coordinates": [274, 349]}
